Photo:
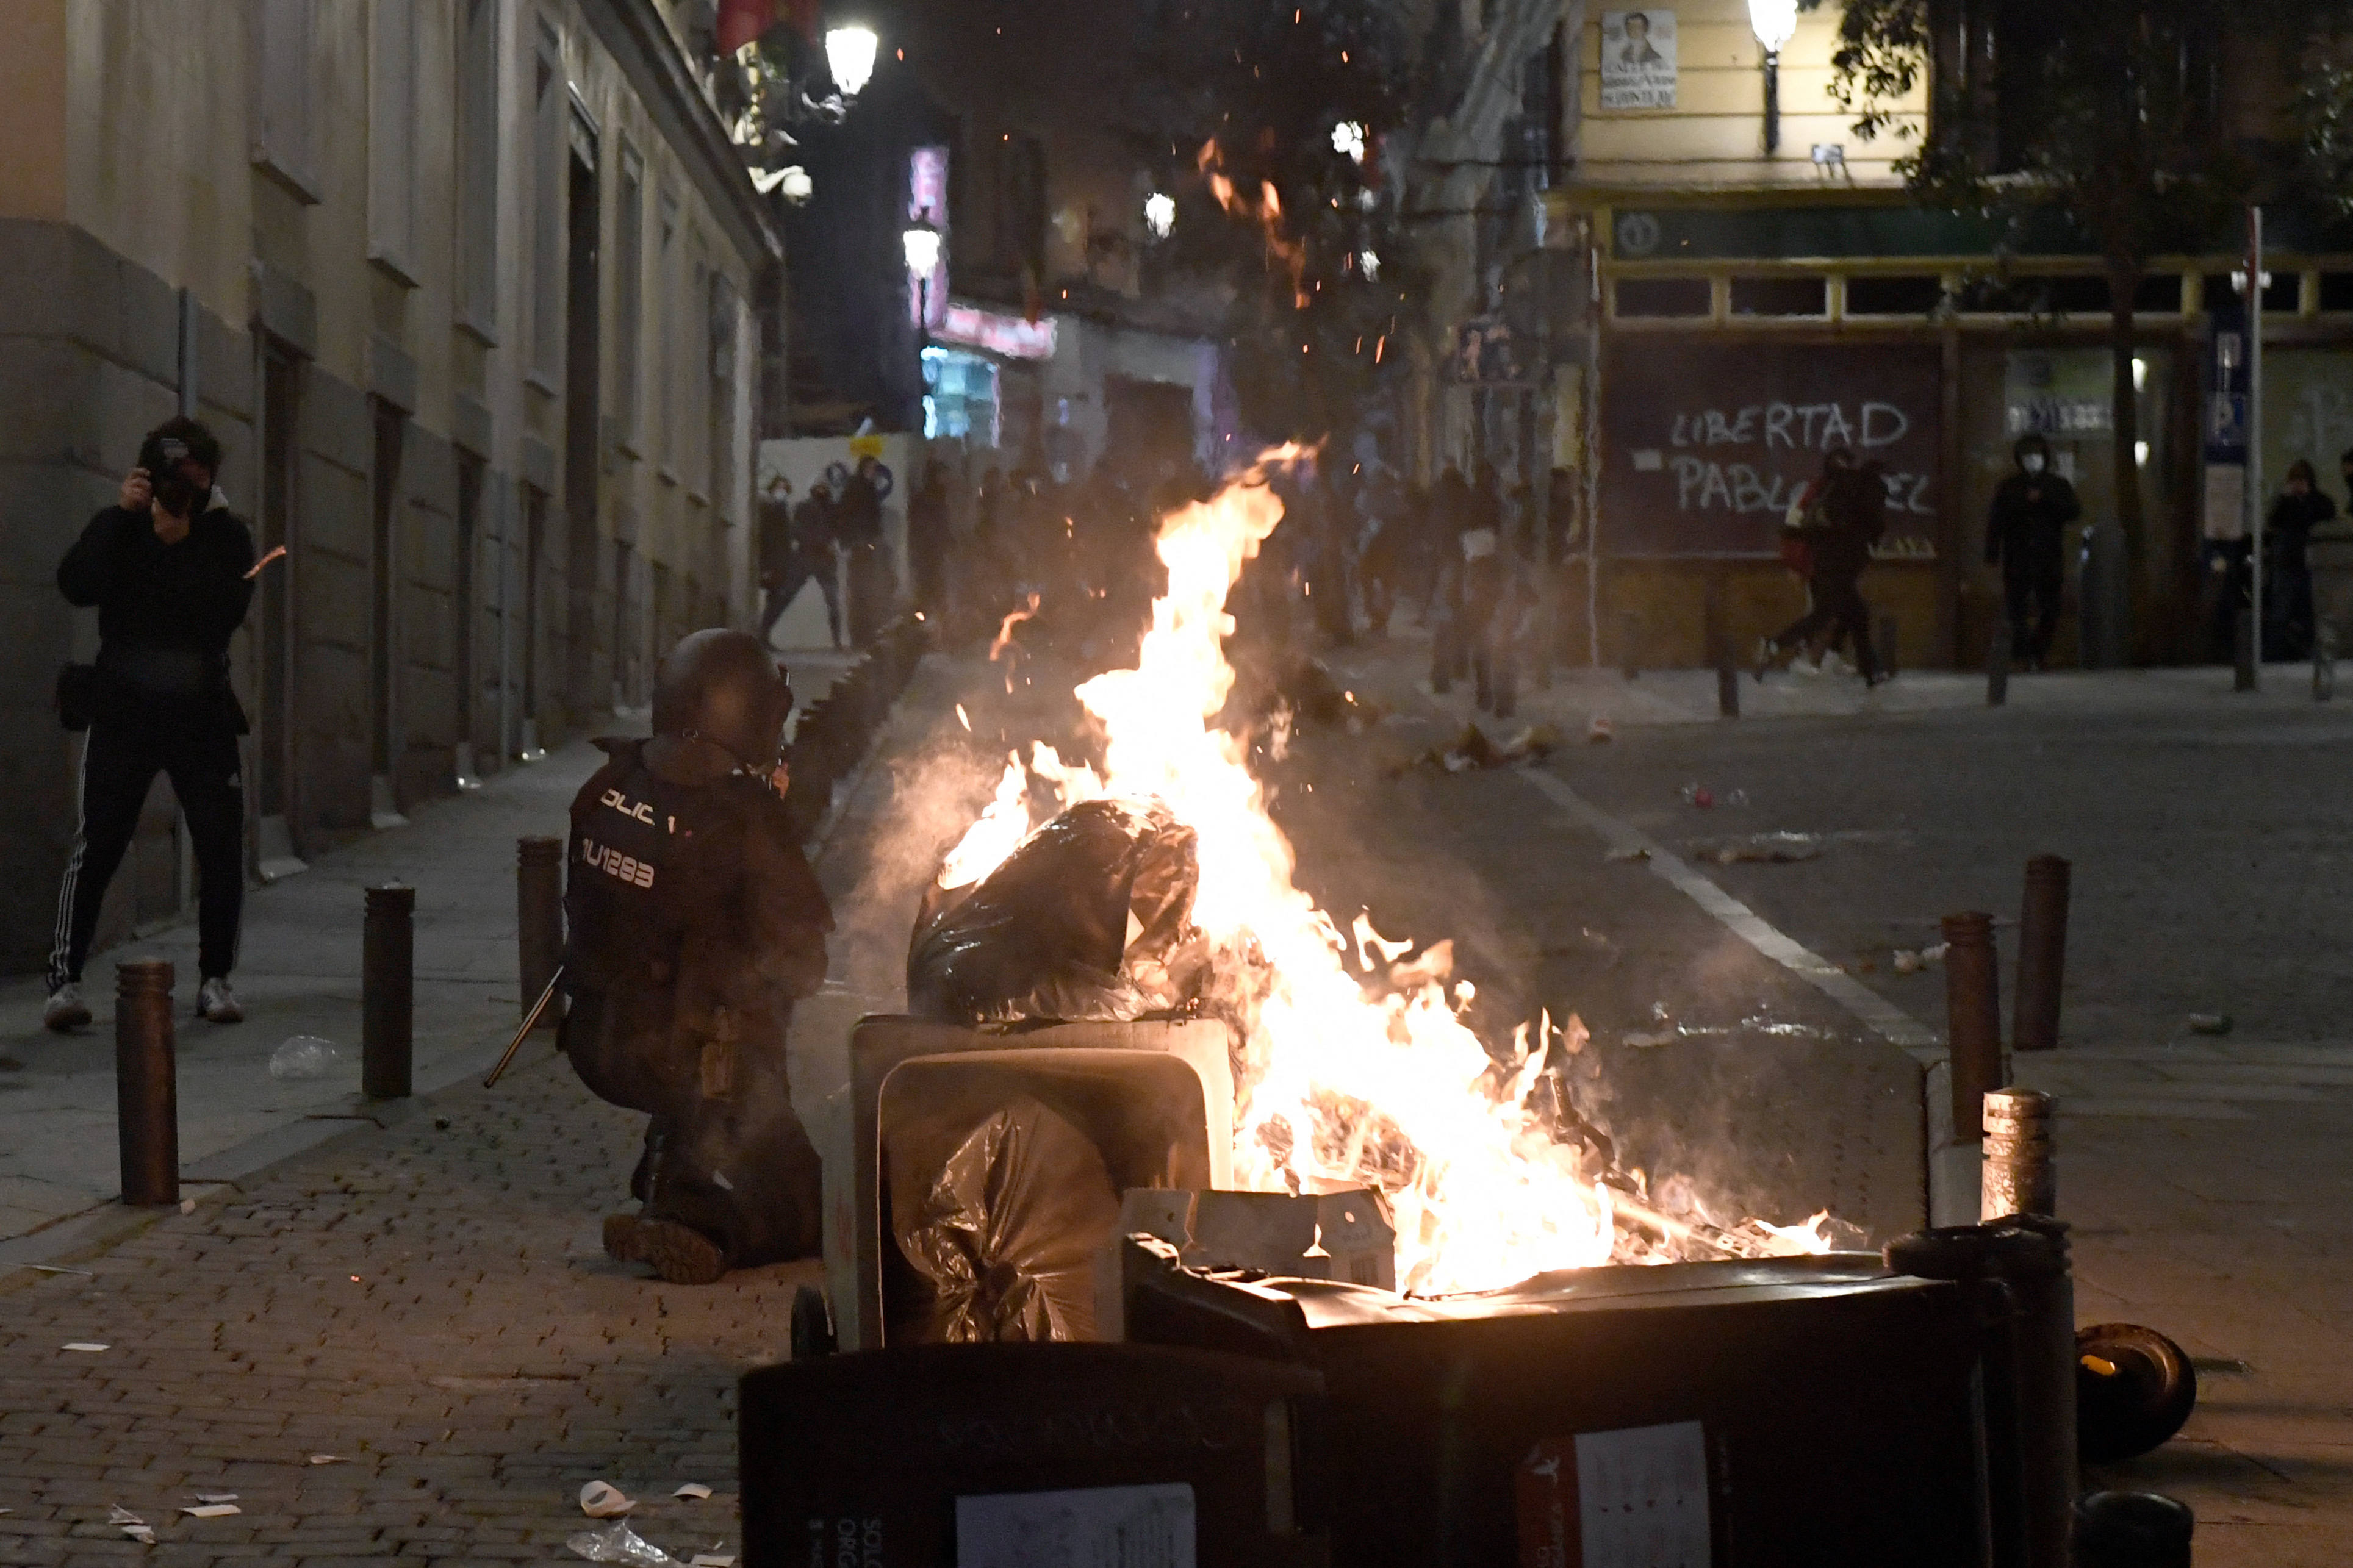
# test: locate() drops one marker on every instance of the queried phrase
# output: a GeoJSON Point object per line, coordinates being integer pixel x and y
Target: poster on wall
{"type": "Point", "coordinates": [1638, 59]}
{"type": "Point", "coordinates": [1706, 443]}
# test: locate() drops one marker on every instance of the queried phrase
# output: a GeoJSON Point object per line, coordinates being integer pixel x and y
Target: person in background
{"type": "Point", "coordinates": [170, 572]}
{"type": "Point", "coordinates": [2026, 537]}
{"type": "Point", "coordinates": [776, 551]}
{"type": "Point", "coordinates": [814, 529]}
{"type": "Point", "coordinates": [1846, 515]}
{"type": "Point", "coordinates": [2287, 564]}
{"type": "Point", "coordinates": [930, 537]}
{"type": "Point", "coordinates": [873, 584]}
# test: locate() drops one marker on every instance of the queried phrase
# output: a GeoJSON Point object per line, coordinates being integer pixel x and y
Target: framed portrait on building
{"type": "Point", "coordinates": [1638, 59]}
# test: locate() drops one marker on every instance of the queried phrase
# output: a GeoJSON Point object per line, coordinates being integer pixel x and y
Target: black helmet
{"type": "Point", "coordinates": [724, 687]}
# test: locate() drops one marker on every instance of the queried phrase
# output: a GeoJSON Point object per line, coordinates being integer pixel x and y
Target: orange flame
{"type": "Point", "coordinates": [1005, 629]}
{"type": "Point", "coordinates": [1267, 213]}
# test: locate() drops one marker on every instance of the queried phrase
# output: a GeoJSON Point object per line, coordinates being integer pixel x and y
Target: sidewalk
{"type": "Point", "coordinates": [428, 1303]}
{"type": "Point", "coordinates": [299, 974]}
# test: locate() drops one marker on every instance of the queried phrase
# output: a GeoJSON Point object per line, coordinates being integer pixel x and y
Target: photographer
{"type": "Point", "coordinates": [170, 573]}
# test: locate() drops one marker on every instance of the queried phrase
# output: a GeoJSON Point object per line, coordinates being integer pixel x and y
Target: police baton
{"type": "Point", "coordinates": [530, 1022]}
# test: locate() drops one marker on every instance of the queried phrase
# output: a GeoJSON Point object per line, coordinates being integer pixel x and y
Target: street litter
{"type": "Point", "coordinates": [616, 1542]}
{"type": "Point", "coordinates": [58, 1268]}
{"type": "Point", "coordinates": [603, 1500]}
{"type": "Point", "coordinates": [118, 1514]}
{"type": "Point", "coordinates": [215, 1497]}
{"type": "Point", "coordinates": [1702, 797]}
{"type": "Point", "coordinates": [2199, 1023]}
{"type": "Point", "coordinates": [1599, 731]}
{"type": "Point", "coordinates": [695, 1491]}
{"type": "Point", "coordinates": [329, 1459]}
{"type": "Point", "coordinates": [86, 1347]}
{"type": "Point", "coordinates": [144, 1534]}
{"type": "Point", "coordinates": [187, 1205]}
{"type": "Point", "coordinates": [130, 1524]}
{"type": "Point", "coordinates": [1471, 751]}
{"type": "Point", "coordinates": [1910, 962]}
{"type": "Point", "coordinates": [713, 1559]}
{"type": "Point", "coordinates": [213, 1511]}
{"type": "Point", "coordinates": [1628, 852]}
{"type": "Point", "coordinates": [1768, 848]}
{"type": "Point", "coordinates": [304, 1056]}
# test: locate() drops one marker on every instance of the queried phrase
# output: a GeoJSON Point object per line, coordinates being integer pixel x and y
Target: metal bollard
{"type": "Point", "coordinates": [2246, 670]}
{"type": "Point", "coordinates": [1888, 643]}
{"type": "Point", "coordinates": [147, 1082]}
{"type": "Point", "coordinates": [1630, 633]}
{"type": "Point", "coordinates": [1727, 684]}
{"type": "Point", "coordinates": [388, 993]}
{"type": "Point", "coordinates": [2133, 1530]}
{"type": "Point", "coordinates": [1973, 1017]}
{"type": "Point", "coordinates": [2323, 663]}
{"type": "Point", "coordinates": [1998, 666]}
{"type": "Point", "coordinates": [2041, 954]}
{"type": "Point", "coordinates": [539, 919]}
{"type": "Point", "coordinates": [2020, 1177]}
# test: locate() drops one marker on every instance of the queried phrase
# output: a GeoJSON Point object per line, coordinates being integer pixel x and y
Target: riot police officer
{"type": "Point", "coordinates": [694, 924]}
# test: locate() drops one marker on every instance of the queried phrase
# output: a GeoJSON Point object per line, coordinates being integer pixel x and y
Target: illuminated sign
{"type": "Point", "coordinates": [1012, 336]}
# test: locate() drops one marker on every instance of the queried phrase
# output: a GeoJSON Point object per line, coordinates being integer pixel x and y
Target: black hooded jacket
{"type": "Point", "coordinates": [2031, 514]}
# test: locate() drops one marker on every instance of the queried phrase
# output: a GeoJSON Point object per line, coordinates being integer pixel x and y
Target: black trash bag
{"type": "Point", "coordinates": [1005, 1230]}
{"type": "Point", "coordinates": [1090, 920]}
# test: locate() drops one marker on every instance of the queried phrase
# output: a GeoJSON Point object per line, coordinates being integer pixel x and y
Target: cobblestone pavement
{"type": "Point", "coordinates": [429, 1302]}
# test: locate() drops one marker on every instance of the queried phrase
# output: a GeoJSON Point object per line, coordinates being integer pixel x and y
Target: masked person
{"type": "Point", "coordinates": [694, 925]}
{"type": "Point", "coordinates": [2026, 538]}
{"type": "Point", "coordinates": [167, 569]}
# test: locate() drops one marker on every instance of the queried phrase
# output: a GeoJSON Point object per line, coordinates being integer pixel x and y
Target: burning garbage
{"type": "Point", "coordinates": [1158, 883]}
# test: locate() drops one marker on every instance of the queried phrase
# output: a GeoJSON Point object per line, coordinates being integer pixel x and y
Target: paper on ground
{"type": "Point", "coordinates": [87, 1346]}
{"type": "Point", "coordinates": [213, 1511]}
{"type": "Point", "coordinates": [603, 1500]}
{"type": "Point", "coordinates": [694, 1489]}
{"type": "Point", "coordinates": [1098, 1527]}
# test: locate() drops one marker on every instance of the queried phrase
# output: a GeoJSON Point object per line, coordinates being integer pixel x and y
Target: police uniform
{"type": "Point", "coordinates": [694, 923]}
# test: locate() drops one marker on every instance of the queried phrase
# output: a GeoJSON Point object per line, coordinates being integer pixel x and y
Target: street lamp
{"type": "Point", "coordinates": [923, 242]}
{"type": "Point", "coordinates": [1775, 22]}
{"type": "Point", "coordinates": [849, 56]}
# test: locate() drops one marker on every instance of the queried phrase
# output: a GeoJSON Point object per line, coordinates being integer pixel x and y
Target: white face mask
{"type": "Point", "coordinates": [2031, 462]}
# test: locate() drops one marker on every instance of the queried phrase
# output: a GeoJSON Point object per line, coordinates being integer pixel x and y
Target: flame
{"type": "Point", "coordinates": [1005, 628]}
{"type": "Point", "coordinates": [1343, 1088]}
{"type": "Point", "coordinates": [1811, 1239]}
{"type": "Point", "coordinates": [1290, 253]}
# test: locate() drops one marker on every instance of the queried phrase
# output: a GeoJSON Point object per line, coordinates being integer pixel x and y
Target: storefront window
{"type": "Point", "coordinates": [960, 397]}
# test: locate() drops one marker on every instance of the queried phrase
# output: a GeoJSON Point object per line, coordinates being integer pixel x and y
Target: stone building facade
{"type": "Point", "coordinates": [463, 286]}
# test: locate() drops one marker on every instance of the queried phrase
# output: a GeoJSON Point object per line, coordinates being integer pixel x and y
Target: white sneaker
{"type": "Point", "coordinates": [65, 1009]}
{"type": "Point", "coordinates": [216, 1003]}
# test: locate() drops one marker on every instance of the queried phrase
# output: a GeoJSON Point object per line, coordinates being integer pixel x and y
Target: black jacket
{"type": "Point", "coordinates": [2030, 512]}
{"type": "Point", "coordinates": [1855, 517]}
{"type": "Point", "coordinates": [2292, 519]}
{"type": "Point", "coordinates": [165, 613]}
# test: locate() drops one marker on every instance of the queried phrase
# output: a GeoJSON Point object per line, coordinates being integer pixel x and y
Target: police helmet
{"type": "Point", "coordinates": [723, 687]}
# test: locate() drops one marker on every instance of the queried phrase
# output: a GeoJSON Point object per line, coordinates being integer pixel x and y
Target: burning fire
{"type": "Point", "coordinates": [1267, 211]}
{"type": "Point", "coordinates": [1343, 1088]}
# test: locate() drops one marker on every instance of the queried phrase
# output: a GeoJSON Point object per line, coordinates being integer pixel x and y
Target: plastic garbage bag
{"type": "Point", "coordinates": [1005, 1230]}
{"type": "Point", "coordinates": [616, 1542]}
{"type": "Point", "coordinates": [1090, 920]}
{"type": "Point", "coordinates": [304, 1056]}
